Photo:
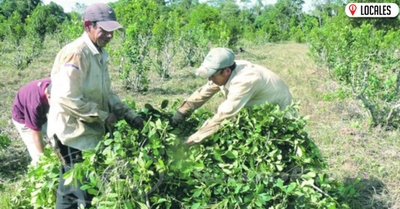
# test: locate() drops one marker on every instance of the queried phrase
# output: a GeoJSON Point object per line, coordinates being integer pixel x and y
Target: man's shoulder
{"type": "Point", "coordinates": [246, 72]}
{"type": "Point", "coordinates": [76, 47]}
{"type": "Point", "coordinates": [244, 68]}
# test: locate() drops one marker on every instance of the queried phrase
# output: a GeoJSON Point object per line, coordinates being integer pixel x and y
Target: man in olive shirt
{"type": "Point", "coordinates": [242, 83]}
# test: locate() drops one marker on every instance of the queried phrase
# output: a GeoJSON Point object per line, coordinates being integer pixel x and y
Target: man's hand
{"type": "Point", "coordinates": [192, 140]}
{"type": "Point", "coordinates": [111, 119]}
{"type": "Point", "coordinates": [177, 119]}
{"type": "Point", "coordinates": [137, 122]}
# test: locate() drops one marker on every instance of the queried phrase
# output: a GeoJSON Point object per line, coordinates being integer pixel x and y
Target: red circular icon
{"type": "Point", "coordinates": [352, 8]}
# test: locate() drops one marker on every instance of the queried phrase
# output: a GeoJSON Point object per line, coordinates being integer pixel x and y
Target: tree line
{"type": "Point", "coordinates": [161, 35]}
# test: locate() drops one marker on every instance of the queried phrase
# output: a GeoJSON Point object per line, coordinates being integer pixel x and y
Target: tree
{"type": "Point", "coordinates": [139, 17]}
{"type": "Point", "coordinates": [3, 24]}
{"type": "Point", "coordinates": [229, 15]}
{"type": "Point", "coordinates": [363, 60]}
{"type": "Point", "coordinates": [23, 7]}
{"type": "Point", "coordinates": [56, 16]}
{"type": "Point", "coordinates": [79, 8]}
{"type": "Point", "coordinates": [44, 20]}
{"type": "Point", "coordinates": [15, 29]}
{"type": "Point", "coordinates": [70, 29]}
{"type": "Point", "coordinates": [326, 8]}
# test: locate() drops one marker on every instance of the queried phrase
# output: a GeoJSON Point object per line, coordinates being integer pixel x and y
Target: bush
{"type": "Point", "coordinates": [4, 141]}
{"type": "Point", "coordinates": [364, 60]}
{"type": "Point", "coordinates": [38, 189]}
{"type": "Point", "coordinates": [261, 159]}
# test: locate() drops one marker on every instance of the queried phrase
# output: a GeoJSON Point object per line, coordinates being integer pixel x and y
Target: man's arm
{"type": "Point", "coordinates": [239, 94]}
{"type": "Point", "coordinates": [119, 108]}
{"type": "Point", "coordinates": [196, 100]}
{"type": "Point", "coordinates": [123, 111]}
{"type": "Point", "coordinates": [37, 139]}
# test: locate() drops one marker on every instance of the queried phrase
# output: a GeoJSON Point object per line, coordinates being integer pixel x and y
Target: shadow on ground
{"type": "Point", "coordinates": [369, 195]}
{"type": "Point", "coordinates": [14, 161]}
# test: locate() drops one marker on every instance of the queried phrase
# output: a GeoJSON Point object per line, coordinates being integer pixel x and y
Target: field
{"type": "Point", "coordinates": [340, 128]}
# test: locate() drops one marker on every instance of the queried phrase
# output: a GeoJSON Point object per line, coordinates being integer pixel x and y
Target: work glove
{"type": "Point", "coordinates": [177, 119]}
{"type": "Point", "coordinates": [137, 122]}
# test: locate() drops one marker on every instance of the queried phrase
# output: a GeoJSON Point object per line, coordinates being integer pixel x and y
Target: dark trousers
{"type": "Point", "coordinates": [71, 196]}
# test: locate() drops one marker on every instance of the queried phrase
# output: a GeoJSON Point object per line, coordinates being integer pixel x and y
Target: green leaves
{"type": "Point", "coordinates": [4, 141]}
{"type": "Point", "coordinates": [362, 63]}
{"type": "Point", "coordinates": [259, 160]}
{"type": "Point", "coordinates": [38, 189]}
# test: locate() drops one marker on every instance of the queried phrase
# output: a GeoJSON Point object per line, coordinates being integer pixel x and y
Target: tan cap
{"type": "Point", "coordinates": [216, 59]}
{"type": "Point", "coordinates": [104, 15]}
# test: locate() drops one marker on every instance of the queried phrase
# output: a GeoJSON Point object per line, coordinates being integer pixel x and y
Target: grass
{"type": "Point", "coordinates": [339, 127]}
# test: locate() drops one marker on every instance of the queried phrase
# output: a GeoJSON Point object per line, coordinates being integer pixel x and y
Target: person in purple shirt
{"type": "Point", "coordinates": [29, 115]}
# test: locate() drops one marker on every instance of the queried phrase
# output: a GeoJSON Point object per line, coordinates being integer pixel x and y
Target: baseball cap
{"type": "Point", "coordinates": [216, 59]}
{"type": "Point", "coordinates": [104, 15]}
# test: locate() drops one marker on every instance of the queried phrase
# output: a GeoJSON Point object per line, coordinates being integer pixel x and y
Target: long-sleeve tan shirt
{"type": "Point", "coordinates": [248, 85]}
{"type": "Point", "coordinates": [81, 96]}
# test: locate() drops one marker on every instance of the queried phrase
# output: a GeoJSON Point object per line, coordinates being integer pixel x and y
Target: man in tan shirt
{"type": "Point", "coordinates": [242, 83]}
{"type": "Point", "coordinates": [82, 101]}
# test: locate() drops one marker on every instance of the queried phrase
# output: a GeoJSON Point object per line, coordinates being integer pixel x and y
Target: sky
{"type": "Point", "coordinates": [69, 4]}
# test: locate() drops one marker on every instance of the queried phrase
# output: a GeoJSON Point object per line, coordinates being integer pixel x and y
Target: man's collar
{"type": "Point", "coordinates": [90, 44]}
{"type": "Point", "coordinates": [233, 74]}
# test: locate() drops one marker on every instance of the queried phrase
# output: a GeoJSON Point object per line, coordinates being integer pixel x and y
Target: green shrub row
{"type": "Point", "coordinates": [362, 58]}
